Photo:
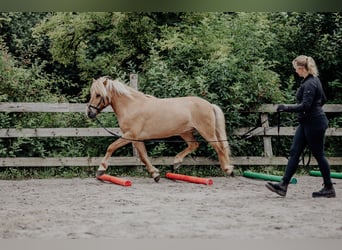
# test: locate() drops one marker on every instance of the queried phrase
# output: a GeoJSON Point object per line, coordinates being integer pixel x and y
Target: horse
{"type": "Point", "coordinates": [145, 117]}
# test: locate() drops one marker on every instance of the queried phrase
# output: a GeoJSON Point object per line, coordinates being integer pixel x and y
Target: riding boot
{"type": "Point", "coordinates": [327, 191]}
{"type": "Point", "coordinates": [278, 188]}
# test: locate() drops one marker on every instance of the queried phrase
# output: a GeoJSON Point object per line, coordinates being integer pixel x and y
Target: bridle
{"type": "Point", "coordinates": [97, 107]}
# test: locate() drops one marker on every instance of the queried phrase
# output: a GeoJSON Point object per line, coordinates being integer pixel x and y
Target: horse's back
{"type": "Point", "coordinates": [192, 109]}
{"type": "Point", "coordinates": [191, 103]}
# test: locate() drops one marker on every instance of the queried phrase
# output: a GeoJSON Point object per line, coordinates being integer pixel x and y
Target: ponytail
{"type": "Point", "coordinates": [308, 62]}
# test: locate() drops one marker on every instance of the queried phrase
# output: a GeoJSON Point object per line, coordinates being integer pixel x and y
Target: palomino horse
{"type": "Point", "coordinates": [157, 118]}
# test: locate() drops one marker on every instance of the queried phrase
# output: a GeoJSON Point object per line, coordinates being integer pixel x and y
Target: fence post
{"type": "Point", "coordinates": [133, 81]}
{"type": "Point", "coordinates": [267, 139]}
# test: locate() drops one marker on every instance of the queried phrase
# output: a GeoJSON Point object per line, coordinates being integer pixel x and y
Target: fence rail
{"type": "Point", "coordinates": [265, 131]}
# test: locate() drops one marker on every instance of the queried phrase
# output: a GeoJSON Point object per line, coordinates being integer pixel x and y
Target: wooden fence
{"type": "Point", "coordinates": [265, 131]}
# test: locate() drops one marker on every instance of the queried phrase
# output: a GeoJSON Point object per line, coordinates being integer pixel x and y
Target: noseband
{"type": "Point", "coordinates": [97, 107]}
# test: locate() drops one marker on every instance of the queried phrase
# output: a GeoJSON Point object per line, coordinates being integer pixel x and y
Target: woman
{"type": "Point", "coordinates": [310, 132]}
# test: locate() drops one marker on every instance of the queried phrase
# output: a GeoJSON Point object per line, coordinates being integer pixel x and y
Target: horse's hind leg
{"type": "Point", "coordinates": [154, 172]}
{"type": "Point", "coordinates": [223, 155]}
{"type": "Point", "coordinates": [221, 147]}
{"type": "Point", "coordinates": [189, 138]}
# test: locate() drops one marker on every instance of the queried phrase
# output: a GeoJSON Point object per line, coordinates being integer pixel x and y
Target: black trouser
{"type": "Point", "coordinates": [309, 133]}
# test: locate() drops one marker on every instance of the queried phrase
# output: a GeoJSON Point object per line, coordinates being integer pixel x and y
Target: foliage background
{"type": "Point", "coordinates": [234, 59]}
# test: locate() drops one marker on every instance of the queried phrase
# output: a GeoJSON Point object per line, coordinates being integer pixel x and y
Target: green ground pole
{"type": "Point", "coordinates": [267, 177]}
{"type": "Point", "coordinates": [332, 174]}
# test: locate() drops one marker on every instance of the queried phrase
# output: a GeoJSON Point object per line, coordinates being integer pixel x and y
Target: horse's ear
{"type": "Point", "coordinates": [105, 82]}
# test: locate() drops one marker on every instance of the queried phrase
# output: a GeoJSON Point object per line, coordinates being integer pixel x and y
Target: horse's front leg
{"type": "Point", "coordinates": [154, 172]}
{"type": "Point", "coordinates": [110, 150]}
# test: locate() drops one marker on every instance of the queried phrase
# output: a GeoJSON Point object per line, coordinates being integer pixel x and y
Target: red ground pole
{"type": "Point", "coordinates": [193, 179]}
{"type": "Point", "coordinates": [115, 180]}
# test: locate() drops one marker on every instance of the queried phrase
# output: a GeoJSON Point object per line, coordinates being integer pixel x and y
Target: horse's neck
{"type": "Point", "coordinates": [121, 104]}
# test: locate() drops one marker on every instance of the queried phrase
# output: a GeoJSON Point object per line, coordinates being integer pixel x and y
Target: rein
{"type": "Point", "coordinates": [248, 134]}
{"type": "Point", "coordinates": [245, 136]}
{"type": "Point", "coordinates": [278, 143]}
{"type": "Point", "coordinates": [154, 140]}
{"type": "Point", "coordinates": [110, 132]}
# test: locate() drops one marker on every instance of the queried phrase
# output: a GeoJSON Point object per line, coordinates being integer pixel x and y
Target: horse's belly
{"type": "Point", "coordinates": [166, 128]}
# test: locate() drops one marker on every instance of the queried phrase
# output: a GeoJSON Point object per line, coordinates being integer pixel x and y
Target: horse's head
{"type": "Point", "coordinates": [99, 98]}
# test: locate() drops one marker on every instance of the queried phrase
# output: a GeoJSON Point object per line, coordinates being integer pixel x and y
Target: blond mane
{"type": "Point", "coordinates": [118, 87]}
{"type": "Point", "coordinates": [112, 85]}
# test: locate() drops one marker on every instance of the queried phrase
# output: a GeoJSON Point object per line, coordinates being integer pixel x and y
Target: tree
{"type": "Point", "coordinates": [314, 34]}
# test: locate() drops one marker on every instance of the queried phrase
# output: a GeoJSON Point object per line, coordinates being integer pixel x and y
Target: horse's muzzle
{"type": "Point", "coordinates": [91, 114]}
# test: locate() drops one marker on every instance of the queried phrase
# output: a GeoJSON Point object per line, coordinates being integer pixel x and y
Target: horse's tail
{"type": "Point", "coordinates": [220, 127]}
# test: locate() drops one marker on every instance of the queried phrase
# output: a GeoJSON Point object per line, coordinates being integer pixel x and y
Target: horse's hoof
{"type": "Point", "coordinates": [229, 171]}
{"type": "Point", "coordinates": [156, 177]}
{"type": "Point", "coordinates": [230, 174]}
{"type": "Point", "coordinates": [99, 173]}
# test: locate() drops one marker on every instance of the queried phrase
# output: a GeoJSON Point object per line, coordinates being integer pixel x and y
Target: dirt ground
{"type": "Point", "coordinates": [231, 208]}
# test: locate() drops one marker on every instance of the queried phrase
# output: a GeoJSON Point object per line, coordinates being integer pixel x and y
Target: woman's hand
{"type": "Point", "coordinates": [282, 108]}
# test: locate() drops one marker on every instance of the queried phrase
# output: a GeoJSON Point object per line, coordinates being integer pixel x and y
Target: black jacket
{"type": "Point", "coordinates": [310, 99]}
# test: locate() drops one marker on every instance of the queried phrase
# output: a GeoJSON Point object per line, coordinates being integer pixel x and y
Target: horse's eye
{"type": "Point", "coordinates": [98, 95]}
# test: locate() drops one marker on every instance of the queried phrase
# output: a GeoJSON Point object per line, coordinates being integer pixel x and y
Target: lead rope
{"type": "Point", "coordinates": [278, 132]}
{"type": "Point", "coordinates": [278, 143]}
{"type": "Point", "coordinates": [110, 132]}
{"type": "Point", "coordinates": [154, 140]}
